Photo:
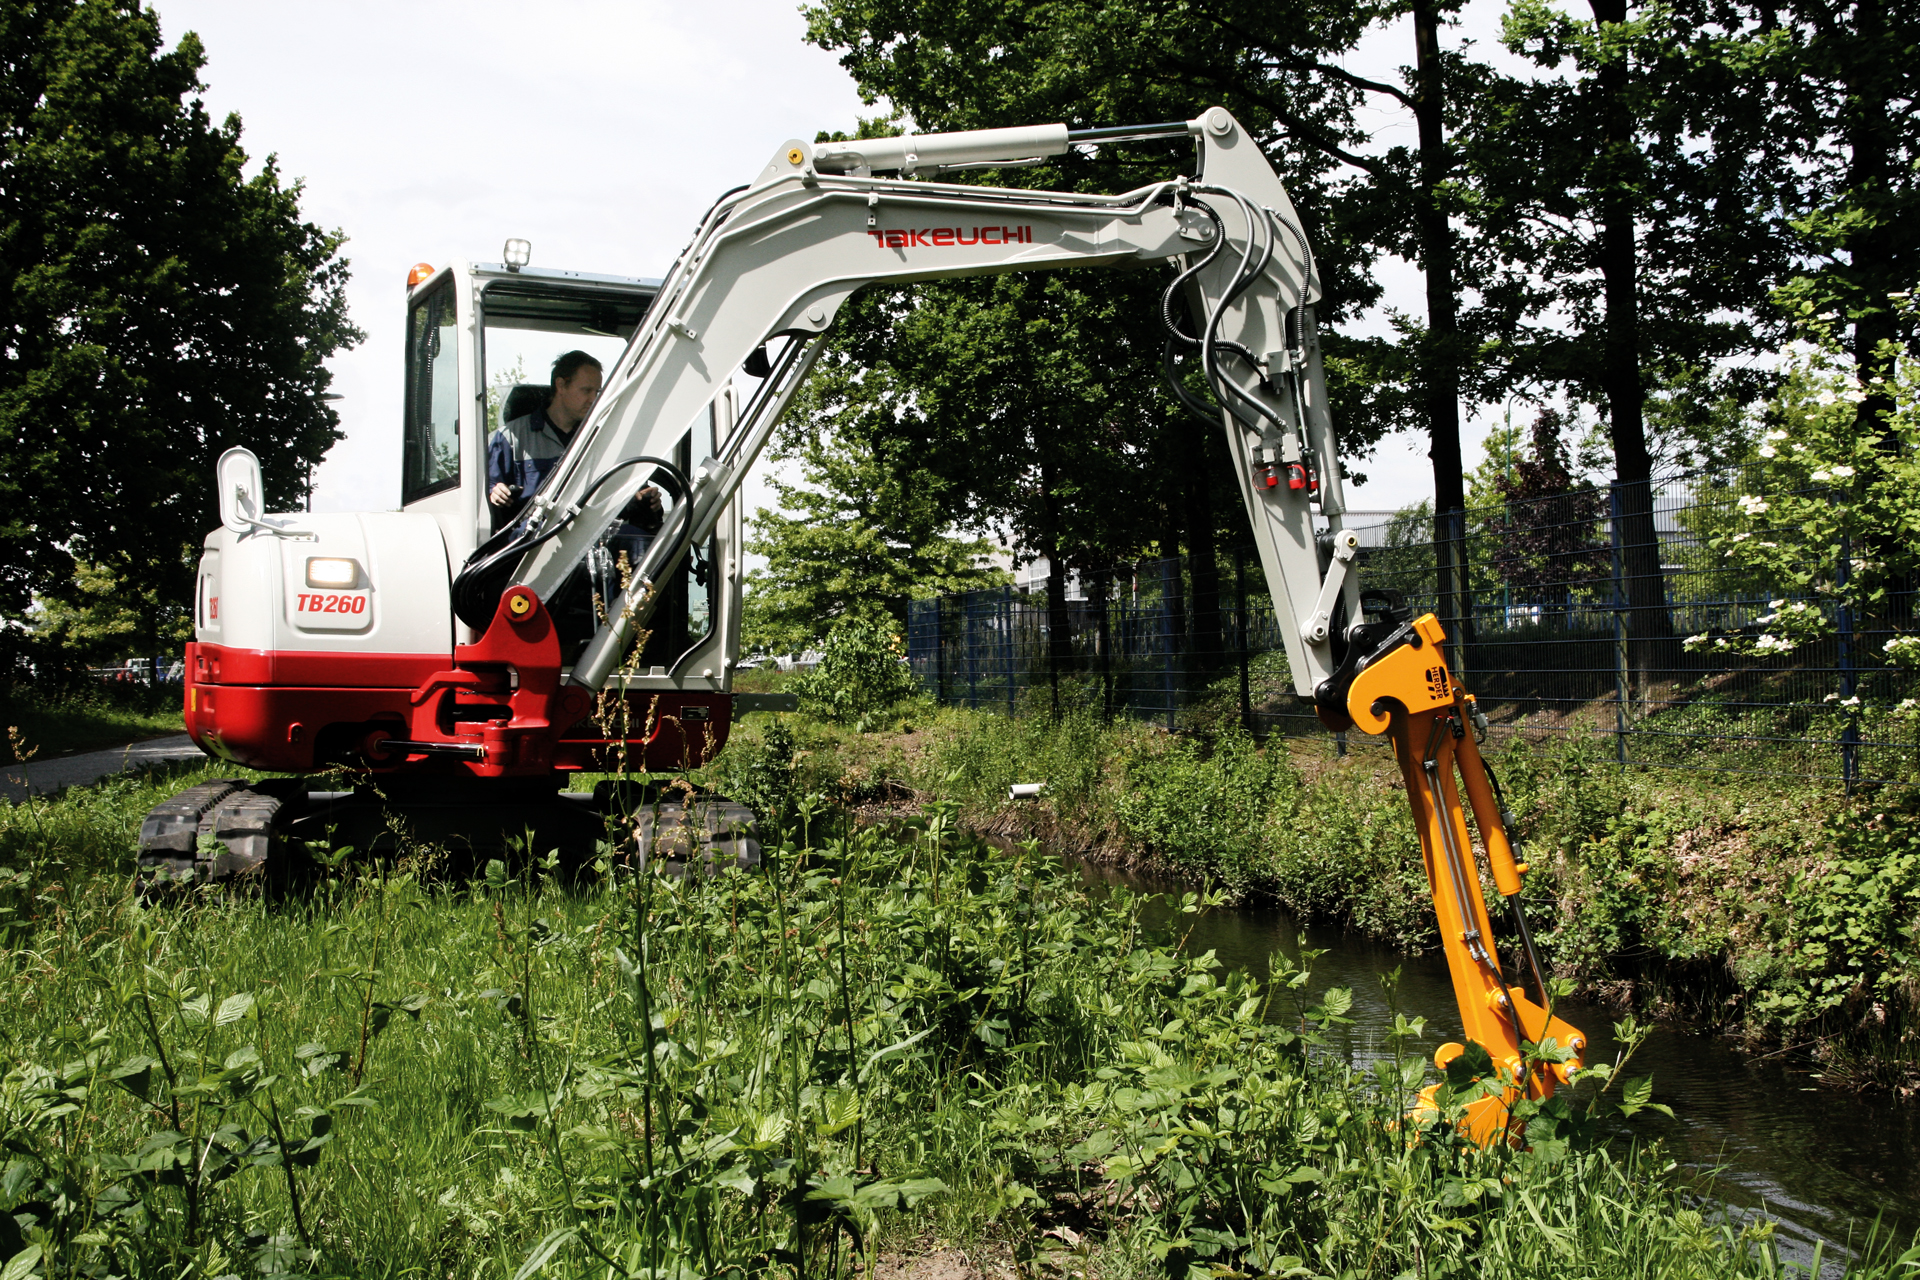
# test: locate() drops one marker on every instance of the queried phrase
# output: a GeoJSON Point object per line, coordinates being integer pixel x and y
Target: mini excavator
{"type": "Point", "coordinates": [458, 675]}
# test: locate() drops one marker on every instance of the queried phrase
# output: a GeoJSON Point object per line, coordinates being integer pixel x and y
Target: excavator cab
{"type": "Point", "coordinates": [481, 340]}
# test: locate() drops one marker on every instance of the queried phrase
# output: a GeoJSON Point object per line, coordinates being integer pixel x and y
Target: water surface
{"type": "Point", "coordinates": [1823, 1162]}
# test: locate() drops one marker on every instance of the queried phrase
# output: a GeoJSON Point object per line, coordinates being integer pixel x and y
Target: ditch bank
{"type": "Point", "coordinates": [1767, 1140]}
{"type": "Point", "coordinates": [1784, 917]}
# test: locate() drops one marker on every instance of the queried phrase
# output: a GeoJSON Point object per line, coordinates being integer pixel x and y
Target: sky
{"type": "Point", "coordinates": [600, 130]}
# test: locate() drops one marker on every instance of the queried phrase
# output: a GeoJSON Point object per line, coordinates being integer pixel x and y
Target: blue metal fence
{"type": "Point", "coordinates": [1547, 640]}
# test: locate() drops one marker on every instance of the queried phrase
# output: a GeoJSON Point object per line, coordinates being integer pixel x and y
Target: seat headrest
{"type": "Point", "coordinates": [522, 400]}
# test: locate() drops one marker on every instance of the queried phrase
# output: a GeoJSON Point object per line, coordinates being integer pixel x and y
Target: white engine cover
{"type": "Point", "coordinates": [254, 590]}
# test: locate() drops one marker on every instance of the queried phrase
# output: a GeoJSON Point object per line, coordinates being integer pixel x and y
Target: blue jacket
{"type": "Point", "coordinates": [523, 453]}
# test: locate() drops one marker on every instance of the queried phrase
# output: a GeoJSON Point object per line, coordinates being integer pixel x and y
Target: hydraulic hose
{"type": "Point", "coordinates": [1254, 259]}
{"type": "Point", "coordinates": [482, 580]}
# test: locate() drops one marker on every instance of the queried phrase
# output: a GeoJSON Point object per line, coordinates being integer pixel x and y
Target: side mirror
{"type": "Point", "coordinates": [238, 476]}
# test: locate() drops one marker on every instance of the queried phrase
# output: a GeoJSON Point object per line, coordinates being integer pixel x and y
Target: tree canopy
{"type": "Point", "coordinates": [862, 534]}
{"type": "Point", "coordinates": [1619, 227]}
{"type": "Point", "coordinates": [158, 306]}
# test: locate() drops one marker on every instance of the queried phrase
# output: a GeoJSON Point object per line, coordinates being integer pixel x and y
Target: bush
{"type": "Point", "coordinates": [862, 672]}
{"type": "Point", "coordinates": [761, 774]}
{"type": "Point", "coordinates": [1206, 811]}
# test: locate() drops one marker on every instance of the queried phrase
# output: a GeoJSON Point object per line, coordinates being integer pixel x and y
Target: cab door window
{"type": "Point", "coordinates": [431, 460]}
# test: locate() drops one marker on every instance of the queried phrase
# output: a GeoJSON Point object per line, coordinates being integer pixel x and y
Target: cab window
{"type": "Point", "coordinates": [432, 447]}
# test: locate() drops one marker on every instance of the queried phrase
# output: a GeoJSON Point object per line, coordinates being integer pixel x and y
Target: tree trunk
{"type": "Point", "coordinates": [1648, 623]}
{"type": "Point", "coordinates": [1874, 247]}
{"type": "Point", "coordinates": [1099, 604]}
{"type": "Point", "coordinates": [1059, 621]}
{"type": "Point", "coordinates": [1872, 138]}
{"type": "Point", "coordinates": [1202, 548]}
{"type": "Point", "coordinates": [1440, 355]}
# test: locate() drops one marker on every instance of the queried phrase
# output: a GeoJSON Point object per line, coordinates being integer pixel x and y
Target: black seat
{"type": "Point", "coordinates": [522, 400]}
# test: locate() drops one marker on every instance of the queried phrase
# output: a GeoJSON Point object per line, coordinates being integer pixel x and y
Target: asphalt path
{"type": "Point", "coordinates": [18, 781]}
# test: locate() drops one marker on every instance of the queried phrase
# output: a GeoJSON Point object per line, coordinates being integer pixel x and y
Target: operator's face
{"type": "Point", "coordinates": [573, 397]}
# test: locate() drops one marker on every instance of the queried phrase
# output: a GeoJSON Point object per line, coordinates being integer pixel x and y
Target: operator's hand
{"type": "Point", "coordinates": [500, 495]}
{"type": "Point", "coordinates": [649, 500]}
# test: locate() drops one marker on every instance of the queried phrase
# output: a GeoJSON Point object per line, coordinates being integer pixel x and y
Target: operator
{"type": "Point", "coordinates": [523, 452]}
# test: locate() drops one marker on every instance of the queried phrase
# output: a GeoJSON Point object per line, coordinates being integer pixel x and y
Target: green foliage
{"type": "Point", "coordinates": [1839, 465]}
{"type": "Point", "coordinates": [1016, 405]}
{"type": "Point", "coordinates": [862, 672]}
{"type": "Point", "coordinates": [1205, 808]}
{"type": "Point", "coordinates": [760, 773]}
{"type": "Point", "coordinates": [160, 306]}
{"type": "Point", "coordinates": [102, 618]}
{"type": "Point", "coordinates": [1846, 942]}
{"type": "Point", "coordinates": [975, 758]}
{"type": "Point", "coordinates": [872, 1040]}
{"type": "Point", "coordinates": [1349, 853]}
{"type": "Point", "coordinates": [860, 537]}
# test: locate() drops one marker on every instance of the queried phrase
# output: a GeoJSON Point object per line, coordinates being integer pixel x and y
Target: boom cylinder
{"type": "Point", "coordinates": [937, 150]}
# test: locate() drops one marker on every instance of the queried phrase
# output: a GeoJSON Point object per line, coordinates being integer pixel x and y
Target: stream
{"type": "Point", "coordinates": [1822, 1162]}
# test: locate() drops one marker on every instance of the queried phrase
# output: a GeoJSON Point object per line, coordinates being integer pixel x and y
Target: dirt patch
{"type": "Point", "coordinates": [932, 1262]}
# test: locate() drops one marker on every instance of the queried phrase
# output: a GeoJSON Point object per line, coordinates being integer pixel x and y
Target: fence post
{"type": "Point", "coordinates": [1105, 640]}
{"type": "Point", "coordinates": [1240, 634]}
{"type": "Point", "coordinates": [1619, 626]}
{"type": "Point", "coordinates": [970, 645]}
{"type": "Point", "coordinates": [1006, 642]}
{"type": "Point", "coordinates": [1850, 736]}
{"type": "Point", "coordinates": [941, 692]}
{"type": "Point", "coordinates": [1169, 571]}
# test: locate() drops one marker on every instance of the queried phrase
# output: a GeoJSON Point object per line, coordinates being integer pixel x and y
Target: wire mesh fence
{"type": "Point", "coordinates": [1594, 611]}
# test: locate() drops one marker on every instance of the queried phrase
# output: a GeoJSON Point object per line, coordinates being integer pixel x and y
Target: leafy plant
{"type": "Point", "coordinates": [862, 672]}
{"type": "Point", "coordinates": [1825, 476]}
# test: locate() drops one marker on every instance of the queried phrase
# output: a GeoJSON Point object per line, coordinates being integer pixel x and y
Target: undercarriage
{"type": "Point", "coordinates": [277, 832]}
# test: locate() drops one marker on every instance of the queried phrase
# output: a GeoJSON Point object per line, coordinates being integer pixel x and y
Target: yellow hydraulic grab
{"type": "Point", "coordinates": [1405, 691]}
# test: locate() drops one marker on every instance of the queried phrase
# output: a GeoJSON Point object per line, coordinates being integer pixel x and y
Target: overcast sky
{"type": "Point", "coordinates": [600, 130]}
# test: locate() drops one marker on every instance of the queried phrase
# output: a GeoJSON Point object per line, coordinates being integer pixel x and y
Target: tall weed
{"type": "Point", "coordinates": [746, 1074]}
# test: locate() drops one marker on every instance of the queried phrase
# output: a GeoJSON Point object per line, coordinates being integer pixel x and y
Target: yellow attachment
{"type": "Point", "coordinates": [1414, 675]}
{"type": "Point", "coordinates": [1486, 816]}
{"type": "Point", "coordinates": [519, 606]}
{"type": "Point", "coordinates": [1425, 717]}
{"type": "Point", "coordinates": [795, 155]}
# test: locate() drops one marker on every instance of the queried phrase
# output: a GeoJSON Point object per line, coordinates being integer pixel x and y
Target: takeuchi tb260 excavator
{"type": "Point", "coordinates": [462, 674]}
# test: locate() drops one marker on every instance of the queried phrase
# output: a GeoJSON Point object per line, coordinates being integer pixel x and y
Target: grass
{"type": "Point", "coordinates": [1784, 912]}
{"type": "Point", "coordinates": [52, 724]}
{"type": "Point", "coordinates": [883, 1036]}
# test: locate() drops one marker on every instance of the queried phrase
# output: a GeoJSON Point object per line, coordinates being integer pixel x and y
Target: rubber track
{"type": "Point", "coordinates": [707, 836]}
{"type": "Point", "coordinates": [241, 819]}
